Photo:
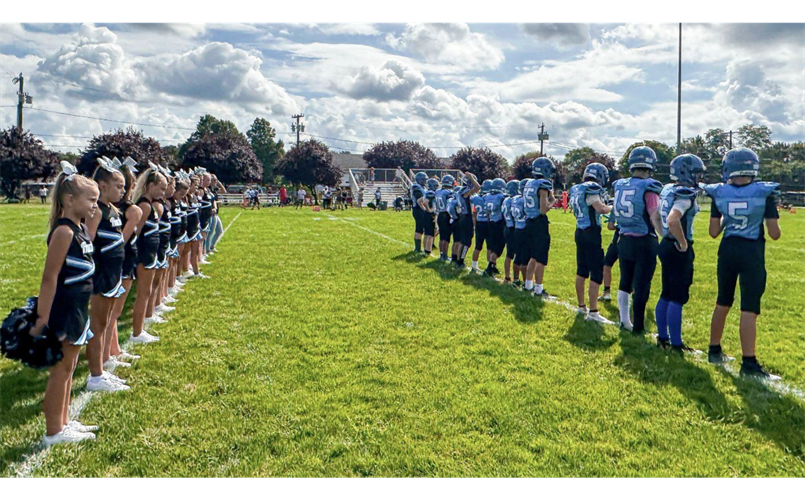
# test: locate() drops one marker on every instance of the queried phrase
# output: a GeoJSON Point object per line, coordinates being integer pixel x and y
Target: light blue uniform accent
{"type": "Point", "coordinates": [518, 212]}
{"type": "Point", "coordinates": [452, 209]}
{"type": "Point", "coordinates": [742, 207]}
{"type": "Point", "coordinates": [507, 211]}
{"type": "Point", "coordinates": [479, 205]}
{"type": "Point", "coordinates": [629, 205]}
{"type": "Point", "coordinates": [442, 199]}
{"type": "Point", "coordinates": [463, 204]}
{"type": "Point", "coordinates": [531, 196]}
{"type": "Point", "coordinates": [586, 215]}
{"type": "Point", "coordinates": [494, 206]}
{"type": "Point", "coordinates": [670, 193]}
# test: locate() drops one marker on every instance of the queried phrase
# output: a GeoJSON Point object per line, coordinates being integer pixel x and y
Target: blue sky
{"type": "Point", "coordinates": [445, 85]}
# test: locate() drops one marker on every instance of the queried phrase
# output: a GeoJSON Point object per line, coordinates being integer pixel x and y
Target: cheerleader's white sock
{"type": "Point", "coordinates": [529, 284]}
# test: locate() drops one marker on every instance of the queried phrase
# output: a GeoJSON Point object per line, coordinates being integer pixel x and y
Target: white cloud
{"type": "Point", "coordinates": [349, 29]}
{"type": "Point", "coordinates": [218, 71]}
{"type": "Point", "coordinates": [451, 43]}
{"type": "Point", "coordinates": [392, 81]}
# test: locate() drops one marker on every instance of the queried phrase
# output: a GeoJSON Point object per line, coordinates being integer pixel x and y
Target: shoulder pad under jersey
{"type": "Point", "coordinates": [592, 187]}
{"type": "Point", "coordinates": [653, 186]}
{"type": "Point", "coordinates": [770, 188]}
{"type": "Point", "coordinates": [544, 184]}
{"type": "Point", "coordinates": [711, 189]}
{"type": "Point", "coordinates": [684, 192]}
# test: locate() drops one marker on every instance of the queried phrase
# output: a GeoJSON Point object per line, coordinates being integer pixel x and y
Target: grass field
{"type": "Point", "coordinates": [323, 347]}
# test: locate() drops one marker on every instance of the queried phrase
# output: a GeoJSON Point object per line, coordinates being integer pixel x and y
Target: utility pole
{"type": "Point", "coordinates": [297, 127]}
{"type": "Point", "coordinates": [730, 139]}
{"type": "Point", "coordinates": [679, 98]}
{"type": "Point", "coordinates": [22, 98]}
{"type": "Point", "coordinates": [542, 136]}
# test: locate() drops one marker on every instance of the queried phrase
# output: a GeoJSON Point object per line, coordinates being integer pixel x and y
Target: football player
{"type": "Point", "coordinates": [469, 186]}
{"type": "Point", "coordinates": [443, 216]}
{"type": "Point", "coordinates": [636, 209]}
{"type": "Point", "coordinates": [512, 188]}
{"type": "Point", "coordinates": [587, 205]}
{"type": "Point", "coordinates": [538, 199]}
{"type": "Point", "coordinates": [678, 208]}
{"type": "Point", "coordinates": [452, 210]}
{"type": "Point", "coordinates": [429, 215]}
{"type": "Point", "coordinates": [478, 203]}
{"type": "Point", "coordinates": [518, 215]}
{"type": "Point", "coordinates": [418, 209]}
{"type": "Point", "coordinates": [741, 205]}
{"type": "Point", "coordinates": [495, 240]}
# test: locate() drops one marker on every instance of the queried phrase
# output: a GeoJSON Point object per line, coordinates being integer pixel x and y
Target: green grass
{"type": "Point", "coordinates": [322, 349]}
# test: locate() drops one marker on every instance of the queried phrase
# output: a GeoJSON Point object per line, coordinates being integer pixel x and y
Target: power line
{"type": "Point", "coordinates": [110, 120]}
{"type": "Point", "coordinates": [92, 137]}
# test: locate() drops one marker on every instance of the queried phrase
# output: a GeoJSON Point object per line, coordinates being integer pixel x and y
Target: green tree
{"type": "Point", "coordinates": [310, 163]}
{"type": "Point", "coordinates": [121, 143]}
{"type": "Point", "coordinates": [664, 155]}
{"type": "Point", "coordinates": [403, 154]}
{"type": "Point", "coordinates": [754, 137]}
{"type": "Point", "coordinates": [22, 157]}
{"type": "Point", "coordinates": [576, 160]}
{"type": "Point", "coordinates": [207, 124]}
{"type": "Point", "coordinates": [268, 150]}
{"type": "Point", "coordinates": [483, 162]}
{"type": "Point", "coordinates": [226, 154]}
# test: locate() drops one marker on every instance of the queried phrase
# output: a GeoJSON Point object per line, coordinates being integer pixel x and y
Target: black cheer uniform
{"type": "Point", "coordinates": [69, 314]}
{"type": "Point", "coordinates": [109, 254]}
{"type": "Point", "coordinates": [148, 241]}
{"type": "Point", "coordinates": [130, 248]}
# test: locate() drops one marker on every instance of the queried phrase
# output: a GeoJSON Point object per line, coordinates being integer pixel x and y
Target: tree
{"type": "Point", "coordinates": [483, 162]}
{"type": "Point", "coordinates": [576, 160]}
{"type": "Point", "coordinates": [22, 157]}
{"type": "Point", "coordinates": [522, 167]}
{"type": "Point", "coordinates": [310, 163]}
{"type": "Point", "coordinates": [121, 143]}
{"type": "Point", "coordinates": [664, 155]}
{"type": "Point", "coordinates": [227, 154]}
{"type": "Point", "coordinates": [754, 137]}
{"type": "Point", "coordinates": [717, 141]}
{"type": "Point", "coordinates": [207, 124]}
{"type": "Point", "coordinates": [403, 154]}
{"type": "Point", "coordinates": [170, 157]}
{"type": "Point", "coordinates": [268, 151]}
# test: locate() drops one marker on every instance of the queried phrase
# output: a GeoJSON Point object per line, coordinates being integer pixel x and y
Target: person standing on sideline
{"type": "Point", "coordinates": [636, 210]}
{"type": "Point", "coordinates": [378, 198]}
{"type": "Point", "coordinates": [360, 198]}
{"type": "Point", "coordinates": [300, 197]}
{"type": "Point", "coordinates": [43, 194]}
{"type": "Point", "coordinates": [283, 196]}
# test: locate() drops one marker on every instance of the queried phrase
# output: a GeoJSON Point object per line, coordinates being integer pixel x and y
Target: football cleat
{"type": "Point", "coordinates": [719, 358]}
{"type": "Point", "coordinates": [757, 371]}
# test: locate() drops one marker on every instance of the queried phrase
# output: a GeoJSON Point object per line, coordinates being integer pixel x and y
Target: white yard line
{"type": "Point", "coordinates": [43, 235]}
{"type": "Point", "coordinates": [36, 457]}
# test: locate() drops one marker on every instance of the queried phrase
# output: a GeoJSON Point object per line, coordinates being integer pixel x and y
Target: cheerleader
{"type": "Point", "coordinates": [205, 215]}
{"type": "Point", "coordinates": [105, 227]}
{"type": "Point", "coordinates": [64, 297]}
{"type": "Point", "coordinates": [217, 228]}
{"type": "Point", "coordinates": [130, 215]}
{"type": "Point", "coordinates": [161, 276]}
{"type": "Point", "coordinates": [150, 187]}
{"type": "Point", "coordinates": [178, 222]}
{"type": "Point", "coordinates": [193, 229]}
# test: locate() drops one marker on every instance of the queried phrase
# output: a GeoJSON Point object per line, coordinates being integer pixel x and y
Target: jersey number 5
{"type": "Point", "coordinates": [741, 221]}
{"type": "Point", "coordinates": [528, 197]}
{"type": "Point", "coordinates": [623, 206]}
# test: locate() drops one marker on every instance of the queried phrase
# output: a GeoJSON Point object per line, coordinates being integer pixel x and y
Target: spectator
{"type": "Point", "coordinates": [360, 198]}
{"type": "Point", "coordinates": [300, 197]}
{"type": "Point", "coordinates": [325, 198]}
{"type": "Point", "coordinates": [247, 194]}
{"type": "Point", "coordinates": [43, 194]}
{"type": "Point", "coordinates": [27, 194]}
{"type": "Point", "coordinates": [371, 175]}
{"type": "Point", "coordinates": [283, 196]}
{"type": "Point", "coordinates": [378, 198]}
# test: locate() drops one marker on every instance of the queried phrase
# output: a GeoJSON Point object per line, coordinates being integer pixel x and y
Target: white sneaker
{"type": "Point", "coordinates": [143, 338]}
{"type": "Point", "coordinates": [596, 316]}
{"type": "Point", "coordinates": [113, 363]}
{"type": "Point", "coordinates": [78, 426]}
{"type": "Point", "coordinates": [114, 378]}
{"type": "Point", "coordinates": [203, 276]}
{"type": "Point", "coordinates": [156, 318]}
{"type": "Point", "coordinates": [581, 310]}
{"type": "Point", "coordinates": [163, 308]}
{"type": "Point", "coordinates": [168, 298]}
{"type": "Point", "coordinates": [188, 274]}
{"type": "Point", "coordinates": [625, 326]}
{"type": "Point", "coordinates": [127, 355]}
{"type": "Point", "coordinates": [67, 435]}
{"type": "Point", "coordinates": [105, 384]}
{"type": "Point", "coordinates": [204, 261]}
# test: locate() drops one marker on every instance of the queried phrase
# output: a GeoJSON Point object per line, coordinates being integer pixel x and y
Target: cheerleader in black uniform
{"type": "Point", "coordinates": [164, 249]}
{"type": "Point", "coordinates": [150, 186]}
{"type": "Point", "coordinates": [194, 228]}
{"type": "Point", "coordinates": [205, 215]}
{"type": "Point", "coordinates": [178, 237]}
{"type": "Point", "coordinates": [106, 229]}
{"type": "Point", "coordinates": [130, 215]}
{"type": "Point", "coordinates": [64, 297]}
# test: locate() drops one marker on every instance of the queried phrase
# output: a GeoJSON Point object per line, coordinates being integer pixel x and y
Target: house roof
{"type": "Point", "coordinates": [345, 161]}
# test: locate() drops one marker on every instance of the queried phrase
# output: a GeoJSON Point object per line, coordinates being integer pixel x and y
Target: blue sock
{"type": "Point", "coordinates": [675, 322]}
{"type": "Point", "coordinates": [660, 315]}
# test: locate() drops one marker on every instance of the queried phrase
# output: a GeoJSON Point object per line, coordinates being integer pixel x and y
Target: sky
{"type": "Point", "coordinates": [605, 86]}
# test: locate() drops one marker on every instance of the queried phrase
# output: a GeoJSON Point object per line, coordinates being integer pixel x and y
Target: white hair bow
{"type": "Point", "coordinates": [130, 163]}
{"type": "Point", "coordinates": [109, 166]}
{"type": "Point", "coordinates": [68, 170]}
